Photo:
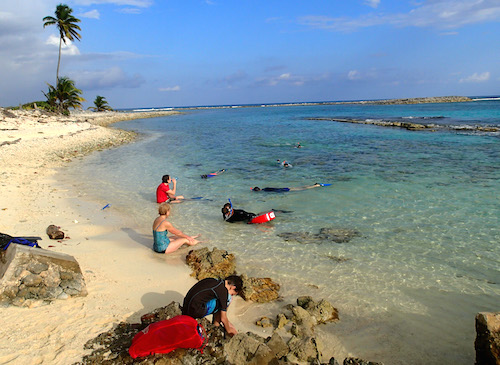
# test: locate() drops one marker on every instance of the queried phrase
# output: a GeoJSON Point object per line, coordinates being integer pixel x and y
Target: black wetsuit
{"type": "Point", "coordinates": [276, 190]}
{"type": "Point", "coordinates": [195, 302]}
{"type": "Point", "coordinates": [239, 215]}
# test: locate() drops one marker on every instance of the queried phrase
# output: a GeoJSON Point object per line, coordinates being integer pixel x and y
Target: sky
{"type": "Point", "coordinates": [167, 53]}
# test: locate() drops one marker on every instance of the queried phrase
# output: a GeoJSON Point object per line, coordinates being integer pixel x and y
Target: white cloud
{"type": "Point", "coordinates": [353, 75]}
{"type": "Point", "coordinates": [67, 48]}
{"type": "Point", "coordinates": [475, 77]}
{"type": "Point", "coordinates": [446, 14]}
{"type": "Point", "coordinates": [106, 79]}
{"type": "Point", "coordinates": [92, 14]}
{"type": "Point", "coordinates": [372, 3]}
{"type": "Point", "coordinates": [171, 88]}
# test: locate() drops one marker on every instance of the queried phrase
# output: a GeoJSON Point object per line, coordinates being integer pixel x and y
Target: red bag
{"type": "Point", "coordinates": [166, 336]}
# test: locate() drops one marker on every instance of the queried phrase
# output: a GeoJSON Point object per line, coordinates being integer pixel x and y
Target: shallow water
{"type": "Point", "coordinates": [426, 206]}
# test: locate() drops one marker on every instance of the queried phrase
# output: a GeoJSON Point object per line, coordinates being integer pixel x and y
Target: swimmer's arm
{"type": "Point", "coordinates": [227, 325]}
{"type": "Point", "coordinates": [175, 231]}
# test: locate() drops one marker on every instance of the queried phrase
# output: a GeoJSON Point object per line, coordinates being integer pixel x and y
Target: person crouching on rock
{"type": "Point", "coordinates": [161, 227]}
{"type": "Point", "coordinates": [213, 296]}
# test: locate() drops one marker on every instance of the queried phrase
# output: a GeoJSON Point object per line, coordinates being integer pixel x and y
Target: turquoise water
{"type": "Point", "coordinates": [426, 205]}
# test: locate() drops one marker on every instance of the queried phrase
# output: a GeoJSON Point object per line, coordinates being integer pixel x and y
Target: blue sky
{"type": "Point", "coordinates": [152, 53]}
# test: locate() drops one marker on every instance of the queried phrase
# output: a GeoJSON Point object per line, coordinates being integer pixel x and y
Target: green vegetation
{"type": "Point", "coordinates": [100, 104]}
{"type": "Point", "coordinates": [64, 96]}
{"type": "Point", "coordinates": [66, 24]}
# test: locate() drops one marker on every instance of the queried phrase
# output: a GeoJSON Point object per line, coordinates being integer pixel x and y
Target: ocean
{"type": "Point", "coordinates": [423, 207]}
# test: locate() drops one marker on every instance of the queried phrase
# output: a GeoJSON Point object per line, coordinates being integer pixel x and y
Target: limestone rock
{"type": "Point", "coordinates": [211, 264]}
{"type": "Point", "coordinates": [322, 311]}
{"type": "Point", "coordinates": [260, 290]}
{"type": "Point", "coordinates": [357, 361]}
{"type": "Point", "coordinates": [487, 342]}
{"type": "Point", "coordinates": [304, 349]}
{"type": "Point", "coordinates": [33, 275]}
{"type": "Point", "coordinates": [54, 232]}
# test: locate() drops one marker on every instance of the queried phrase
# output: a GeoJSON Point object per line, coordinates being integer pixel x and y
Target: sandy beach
{"type": "Point", "coordinates": [124, 279]}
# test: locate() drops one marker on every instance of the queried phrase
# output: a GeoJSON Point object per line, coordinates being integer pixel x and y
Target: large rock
{"type": "Point", "coordinates": [211, 264]}
{"type": "Point", "coordinates": [31, 276]}
{"type": "Point", "coordinates": [487, 342]}
{"type": "Point", "coordinates": [322, 311]}
{"type": "Point", "coordinates": [260, 290]}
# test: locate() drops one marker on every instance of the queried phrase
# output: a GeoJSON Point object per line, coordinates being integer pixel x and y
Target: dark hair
{"type": "Point", "coordinates": [256, 188]}
{"type": "Point", "coordinates": [226, 208]}
{"type": "Point", "coordinates": [236, 281]}
{"type": "Point", "coordinates": [165, 178]}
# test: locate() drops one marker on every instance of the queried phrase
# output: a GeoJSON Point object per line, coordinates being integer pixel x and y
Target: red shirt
{"type": "Point", "coordinates": [161, 193]}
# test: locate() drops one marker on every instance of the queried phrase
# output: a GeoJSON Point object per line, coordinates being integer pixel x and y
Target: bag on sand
{"type": "Point", "coordinates": [165, 336]}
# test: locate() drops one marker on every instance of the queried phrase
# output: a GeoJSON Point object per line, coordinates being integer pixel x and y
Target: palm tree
{"type": "Point", "coordinates": [66, 24]}
{"type": "Point", "coordinates": [101, 104]}
{"type": "Point", "coordinates": [64, 96]}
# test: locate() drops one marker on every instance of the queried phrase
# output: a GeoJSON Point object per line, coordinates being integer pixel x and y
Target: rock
{"type": "Point", "coordinates": [54, 232]}
{"type": "Point", "coordinates": [277, 345]}
{"type": "Point", "coordinates": [244, 349]}
{"type": "Point", "coordinates": [305, 322]}
{"type": "Point", "coordinates": [265, 322]}
{"type": "Point", "coordinates": [337, 235]}
{"type": "Point", "coordinates": [304, 349]}
{"type": "Point", "coordinates": [211, 264]}
{"type": "Point", "coordinates": [281, 320]}
{"type": "Point", "coordinates": [356, 361]}
{"type": "Point", "coordinates": [161, 314]}
{"type": "Point", "coordinates": [487, 342]}
{"type": "Point", "coordinates": [30, 276]}
{"type": "Point", "coordinates": [260, 290]}
{"type": "Point", "coordinates": [322, 311]}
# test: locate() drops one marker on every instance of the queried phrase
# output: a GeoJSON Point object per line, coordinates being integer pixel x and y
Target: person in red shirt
{"type": "Point", "coordinates": [164, 193]}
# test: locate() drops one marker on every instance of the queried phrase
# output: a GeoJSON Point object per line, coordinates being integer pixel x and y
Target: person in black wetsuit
{"type": "Point", "coordinates": [236, 215]}
{"type": "Point", "coordinates": [282, 190]}
{"type": "Point", "coordinates": [213, 296]}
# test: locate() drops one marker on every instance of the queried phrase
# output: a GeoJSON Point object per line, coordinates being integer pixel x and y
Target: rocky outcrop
{"type": "Point", "coordinates": [487, 342]}
{"type": "Point", "coordinates": [33, 276]}
{"type": "Point", "coordinates": [211, 264]}
{"type": "Point", "coordinates": [221, 264]}
{"type": "Point", "coordinates": [111, 347]}
{"type": "Point", "coordinates": [259, 290]}
{"type": "Point", "coordinates": [337, 235]}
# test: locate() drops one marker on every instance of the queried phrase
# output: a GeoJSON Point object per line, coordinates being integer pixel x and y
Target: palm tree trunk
{"type": "Point", "coordinates": [58, 61]}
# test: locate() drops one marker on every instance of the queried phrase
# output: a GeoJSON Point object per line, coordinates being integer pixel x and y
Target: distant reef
{"type": "Point", "coordinates": [432, 99]}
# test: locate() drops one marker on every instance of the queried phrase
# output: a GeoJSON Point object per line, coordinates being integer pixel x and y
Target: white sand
{"type": "Point", "coordinates": [124, 279]}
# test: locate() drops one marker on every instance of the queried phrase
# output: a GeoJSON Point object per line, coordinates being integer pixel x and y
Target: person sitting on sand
{"type": "Point", "coordinates": [161, 227]}
{"type": "Point", "coordinates": [164, 193]}
{"type": "Point", "coordinates": [236, 215]}
{"type": "Point", "coordinates": [282, 190]}
{"type": "Point", "coordinates": [213, 296]}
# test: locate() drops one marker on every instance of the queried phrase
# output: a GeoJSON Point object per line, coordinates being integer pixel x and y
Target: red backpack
{"type": "Point", "coordinates": [166, 336]}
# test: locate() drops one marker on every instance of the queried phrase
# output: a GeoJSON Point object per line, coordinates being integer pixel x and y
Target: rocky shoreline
{"type": "Point", "coordinates": [411, 126]}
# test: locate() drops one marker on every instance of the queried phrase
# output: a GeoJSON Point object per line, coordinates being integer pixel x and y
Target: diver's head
{"type": "Point", "coordinates": [256, 188]}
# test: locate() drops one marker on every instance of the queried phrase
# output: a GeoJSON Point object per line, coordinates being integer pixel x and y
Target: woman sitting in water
{"type": "Point", "coordinates": [162, 243]}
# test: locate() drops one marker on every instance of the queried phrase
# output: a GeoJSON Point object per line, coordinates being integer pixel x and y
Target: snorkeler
{"type": "Point", "coordinates": [236, 215]}
{"type": "Point", "coordinates": [282, 190]}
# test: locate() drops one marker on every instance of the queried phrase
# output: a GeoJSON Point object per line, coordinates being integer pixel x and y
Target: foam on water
{"type": "Point", "coordinates": [426, 206]}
